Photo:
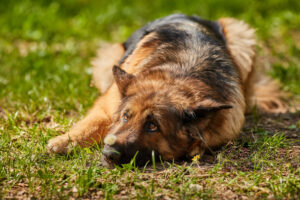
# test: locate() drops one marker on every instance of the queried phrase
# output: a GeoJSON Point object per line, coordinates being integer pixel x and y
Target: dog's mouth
{"type": "Point", "coordinates": [112, 156]}
{"type": "Point", "coordinates": [106, 162]}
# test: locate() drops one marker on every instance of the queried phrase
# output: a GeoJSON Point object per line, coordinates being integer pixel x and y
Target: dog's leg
{"type": "Point", "coordinates": [93, 128]}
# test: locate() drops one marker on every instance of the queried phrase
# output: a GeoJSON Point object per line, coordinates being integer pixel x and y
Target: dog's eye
{"type": "Point", "coordinates": [151, 127]}
{"type": "Point", "coordinates": [125, 117]}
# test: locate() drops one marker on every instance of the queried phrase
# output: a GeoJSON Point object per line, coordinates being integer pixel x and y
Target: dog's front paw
{"type": "Point", "coordinates": [60, 144]}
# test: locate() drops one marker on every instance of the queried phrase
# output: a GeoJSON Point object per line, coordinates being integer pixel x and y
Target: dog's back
{"type": "Point", "coordinates": [216, 52]}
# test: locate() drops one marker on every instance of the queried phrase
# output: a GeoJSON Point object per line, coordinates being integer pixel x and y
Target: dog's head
{"type": "Point", "coordinates": [155, 117]}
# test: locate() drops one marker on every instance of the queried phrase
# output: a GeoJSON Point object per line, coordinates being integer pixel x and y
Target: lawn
{"type": "Point", "coordinates": [45, 75]}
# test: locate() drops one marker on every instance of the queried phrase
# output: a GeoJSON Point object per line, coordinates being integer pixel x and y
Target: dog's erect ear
{"type": "Point", "coordinates": [122, 78]}
{"type": "Point", "coordinates": [203, 110]}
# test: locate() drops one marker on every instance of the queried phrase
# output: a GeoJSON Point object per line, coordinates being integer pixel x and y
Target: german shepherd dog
{"type": "Point", "coordinates": [176, 87]}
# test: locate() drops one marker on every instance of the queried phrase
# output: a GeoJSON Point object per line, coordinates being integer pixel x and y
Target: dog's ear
{"type": "Point", "coordinates": [122, 78]}
{"type": "Point", "coordinates": [203, 110]}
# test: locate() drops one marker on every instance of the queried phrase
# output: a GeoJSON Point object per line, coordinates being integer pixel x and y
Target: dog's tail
{"type": "Point", "coordinates": [266, 95]}
{"type": "Point", "coordinates": [260, 90]}
{"type": "Point", "coordinates": [107, 56]}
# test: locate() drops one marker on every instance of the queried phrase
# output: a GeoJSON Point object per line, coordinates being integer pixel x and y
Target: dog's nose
{"type": "Point", "coordinates": [111, 153]}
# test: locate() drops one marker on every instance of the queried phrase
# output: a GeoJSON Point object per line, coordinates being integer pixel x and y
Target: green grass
{"type": "Point", "coordinates": [45, 50]}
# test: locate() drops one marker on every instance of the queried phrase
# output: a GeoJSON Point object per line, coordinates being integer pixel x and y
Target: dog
{"type": "Point", "coordinates": [177, 87]}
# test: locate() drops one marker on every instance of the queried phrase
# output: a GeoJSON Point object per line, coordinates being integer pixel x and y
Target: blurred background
{"type": "Point", "coordinates": [45, 75]}
{"type": "Point", "coordinates": [46, 45]}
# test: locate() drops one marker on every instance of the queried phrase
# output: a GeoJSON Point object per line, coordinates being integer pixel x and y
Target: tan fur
{"type": "Point", "coordinates": [165, 150]}
{"type": "Point", "coordinates": [240, 41]}
{"type": "Point", "coordinates": [260, 91]}
{"type": "Point", "coordinates": [107, 57]}
{"type": "Point", "coordinates": [140, 54]}
{"type": "Point", "coordinates": [225, 125]}
{"type": "Point", "coordinates": [93, 128]}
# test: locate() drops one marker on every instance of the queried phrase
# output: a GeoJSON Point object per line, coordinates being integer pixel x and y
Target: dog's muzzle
{"type": "Point", "coordinates": [111, 153]}
{"type": "Point", "coordinates": [114, 153]}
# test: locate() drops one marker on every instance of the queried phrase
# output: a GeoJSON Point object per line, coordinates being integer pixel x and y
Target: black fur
{"type": "Point", "coordinates": [201, 39]}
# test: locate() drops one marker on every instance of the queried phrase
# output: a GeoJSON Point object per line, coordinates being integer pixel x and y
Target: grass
{"type": "Point", "coordinates": [45, 49]}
